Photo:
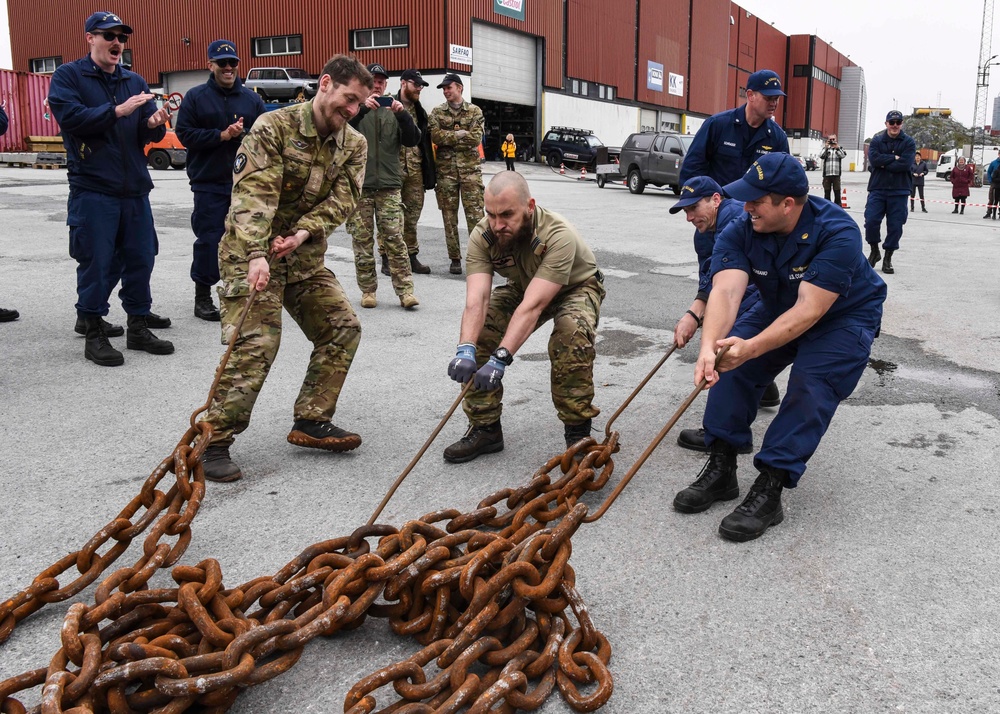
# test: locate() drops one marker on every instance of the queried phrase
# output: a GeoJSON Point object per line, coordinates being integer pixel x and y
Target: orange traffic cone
{"type": "Point", "coordinates": [843, 199]}
{"type": "Point", "coordinates": [583, 174]}
{"type": "Point", "coordinates": [562, 169]}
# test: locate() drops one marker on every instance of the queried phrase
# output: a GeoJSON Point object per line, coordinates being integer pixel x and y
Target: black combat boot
{"type": "Point", "coordinates": [218, 465]}
{"type": "Point", "coordinates": [575, 432]}
{"type": "Point", "coordinates": [456, 266]}
{"type": "Point", "coordinates": [385, 265]}
{"type": "Point", "coordinates": [140, 338]}
{"type": "Point", "coordinates": [97, 347]}
{"type": "Point", "coordinates": [109, 329]}
{"type": "Point", "coordinates": [694, 439]}
{"type": "Point", "coordinates": [8, 315]}
{"type": "Point", "coordinates": [716, 482]}
{"type": "Point", "coordinates": [875, 255]}
{"type": "Point", "coordinates": [771, 396]}
{"type": "Point", "coordinates": [155, 322]}
{"type": "Point", "coordinates": [887, 263]}
{"type": "Point", "coordinates": [478, 440]}
{"type": "Point", "coordinates": [204, 308]}
{"type": "Point", "coordinates": [759, 510]}
{"type": "Point", "coordinates": [417, 267]}
{"type": "Point", "coordinates": [322, 435]}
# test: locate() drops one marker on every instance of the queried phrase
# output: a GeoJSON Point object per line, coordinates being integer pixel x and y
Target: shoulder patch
{"type": "Point", "coordinates": [301, 145]}
{"type": "Point", "coordinates": [489, 237]}
{"type": "Point", "coordinates": [537, 247]}
{"type": "Point", "coordinates": [240, 163]}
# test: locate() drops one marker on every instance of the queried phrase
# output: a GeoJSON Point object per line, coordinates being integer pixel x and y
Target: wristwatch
{"type": "Point", "coordinates": [502, 354]}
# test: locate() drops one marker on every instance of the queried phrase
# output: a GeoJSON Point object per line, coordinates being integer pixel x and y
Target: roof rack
{"type": "Point", "coordinates": [570, 128]}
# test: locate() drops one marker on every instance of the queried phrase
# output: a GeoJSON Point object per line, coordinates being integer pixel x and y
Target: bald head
{"type": "Point", "coordinates": [509, 181]}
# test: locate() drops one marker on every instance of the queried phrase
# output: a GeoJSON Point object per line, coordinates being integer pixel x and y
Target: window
{"type": "Point", "coordinates": [45, 65]}
{"type": "Point", "coordinates": [378, 38]}
{"type": "Point", "coordinates": [279, 45]}
{"type": "Point", "coordinates": [127, 59]}
{"type": "Point", "coordinates": [658, 144]}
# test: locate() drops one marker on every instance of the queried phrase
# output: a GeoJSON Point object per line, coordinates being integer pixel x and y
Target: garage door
{"type": "Point", "coordinates": [504, 65]}
{"type": "Point", "coordinates": [181, 82]}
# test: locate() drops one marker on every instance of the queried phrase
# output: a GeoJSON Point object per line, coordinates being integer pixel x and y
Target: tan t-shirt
{"type": "Point", "coordinates": [555, 253]}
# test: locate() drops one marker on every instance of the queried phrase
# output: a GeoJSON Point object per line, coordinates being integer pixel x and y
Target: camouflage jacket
{"type": "Point", "coordinates": [286, 178]}
{"type": "Point", "coordinates": [455, 154]}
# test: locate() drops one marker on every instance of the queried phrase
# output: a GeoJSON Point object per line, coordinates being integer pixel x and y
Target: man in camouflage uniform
{"type": "Point", "coordinates": [551, 274]}
{"type": "Point", "coordinates": [386, 128]}
{"type": "Point", "coordinates": [417, 164]}
{"type": "Point", "coordinates": [297, 176]}
{"type": "Point", "coordinates": [457, 129]}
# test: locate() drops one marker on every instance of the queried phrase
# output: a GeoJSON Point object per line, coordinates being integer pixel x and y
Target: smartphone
{"type": "Point", "coordinates": [385, 101]}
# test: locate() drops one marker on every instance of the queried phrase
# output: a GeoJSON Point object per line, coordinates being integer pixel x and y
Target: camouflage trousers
{"type": "Point", "coordinates": [384, 207]}
{"type": "Point", "coordinates": [451, 187]}
{"type": "Point", "coordinates": [574, 316]}
{"type": "Point", "coordinates": [413, 205]}
{"type": "Point", "coordinates": [320, 307]}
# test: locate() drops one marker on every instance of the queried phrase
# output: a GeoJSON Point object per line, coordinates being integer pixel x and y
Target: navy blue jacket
{"type": "Point", "coordinates": [824, 248]}
{"type": "Point", "coordinates": [205, 112]}
{"type": "Point", "coordinates": [721, 151]}
{"type": "Point", "coordinates": [891, 175]}
{"type": "Point", "coordinates": [104, 153]}
{"type": "Point", "coordinates": [3, 122]}
{"type": "Point", "coordinates": [991, 170]}
{"type": "Point", "coordinates": [729, 209]}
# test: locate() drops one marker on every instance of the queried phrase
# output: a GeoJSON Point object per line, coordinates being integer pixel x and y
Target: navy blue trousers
{"type": "Point", "coordinates": [893, 210]}
{"type": "Point", "coordinates": [208, 221]}
{"type": "Point", "coordinates": [825, 370]}
{"type": "Point", "coordinates": [111, 239]}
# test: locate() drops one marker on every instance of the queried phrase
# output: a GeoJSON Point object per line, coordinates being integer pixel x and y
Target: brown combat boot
{"type": "Point", "coordinates": [478, 440]}
{"type": "Point", "coordinates": [218, 465]}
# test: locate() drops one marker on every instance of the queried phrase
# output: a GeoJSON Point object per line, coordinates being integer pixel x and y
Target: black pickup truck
{"type": "Point", "coordinates": [653, 158]}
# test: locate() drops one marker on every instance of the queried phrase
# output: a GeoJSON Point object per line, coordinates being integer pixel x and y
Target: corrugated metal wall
{"type": "Point", "coordinates": [663, 38]}
{"type": "Point", "coordinates": [709, 54]}
{"type": "Point", "coordinates": [600, 43]}
{"type": "Point", "coordinates": [23, 95]}
{"type": "Point", "coordinates": [797, 88]}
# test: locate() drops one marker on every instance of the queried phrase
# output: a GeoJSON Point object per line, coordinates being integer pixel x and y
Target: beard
{"type": "Point", "coordinates": [523, 234]}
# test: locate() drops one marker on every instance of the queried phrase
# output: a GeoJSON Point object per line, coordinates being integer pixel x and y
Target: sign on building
{"type": "Point", "coordinates": [675, 84]}
{"type": "Point", "coordinates": [654, 76]}
{"type": "Point", "coordinates": [510, 8]}
{"type": "Point", "coordinates": [461, 55]}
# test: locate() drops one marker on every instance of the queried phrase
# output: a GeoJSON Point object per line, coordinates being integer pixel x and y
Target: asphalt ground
{"type": "Point", "coordinates": [877, 593]}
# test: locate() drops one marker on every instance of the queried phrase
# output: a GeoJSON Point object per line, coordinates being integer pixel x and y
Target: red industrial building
{"type": "Point", "coordinates": [614, 67]}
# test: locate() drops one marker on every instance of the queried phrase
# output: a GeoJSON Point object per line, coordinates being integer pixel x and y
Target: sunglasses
{"type": "Point", "coordinates": [895, 122]}
{"type": "Point", "coordinates": [227, 62]}
{"type": "Point", "coordinates": [112, 36]}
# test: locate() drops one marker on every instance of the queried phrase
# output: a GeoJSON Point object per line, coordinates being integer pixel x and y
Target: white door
{"type": "Point", "coordinates": [504, 65]}
{"type": "Point", "coordinates": [181, 82]}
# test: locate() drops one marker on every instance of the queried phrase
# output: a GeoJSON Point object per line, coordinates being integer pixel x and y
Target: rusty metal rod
{"type": "Point", "coordinates": [652, 446]}
{"type": "Point", "coordinates": [607, 427]}
{"type": "Point", "coordinates": [413, 462]}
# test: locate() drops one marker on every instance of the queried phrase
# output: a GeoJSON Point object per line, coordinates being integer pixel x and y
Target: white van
{"type": "Point", "coordinates": [946, 162]}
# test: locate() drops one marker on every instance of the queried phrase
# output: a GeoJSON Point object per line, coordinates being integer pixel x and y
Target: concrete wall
{"type": "Point", "coordinates": [611, 123]}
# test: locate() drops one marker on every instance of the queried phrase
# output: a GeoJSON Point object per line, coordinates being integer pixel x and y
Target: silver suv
{"type": "Point", "coordinates": [281, 83]}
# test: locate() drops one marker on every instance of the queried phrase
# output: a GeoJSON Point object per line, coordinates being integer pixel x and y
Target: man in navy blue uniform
{"type": "Point", "coordinates": [211, 123]}
{"type": "Point", "coordinates": [6, 315]}
{"type": "Point", "coordinates": [820, 308]}
{"type": "Point", "coordinates": [107, 116]}
{"type": "Point", "coordinates": [890, 156]}
{"type": "Point", "coordinates": [728, 142]}
{"type": "Point", "coordinates": [705, 208]}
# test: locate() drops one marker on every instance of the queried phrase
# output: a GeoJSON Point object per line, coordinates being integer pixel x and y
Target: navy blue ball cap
{"type": "Point", "coordinates": [894, 115]}
{"type": "Point", "coordinates": [765, 82]}
{"type": "Point", "coordinates": [777, 173]}
{"type": "Point", "coordinates": [694, 190]}
{"type": "Point", "coordinates": [105, 21]}
{"type": "Point", "coordinates": [376, 68]}
{"type": "Point", "coordinates": [449, 78]}
{"type": "Point", "coordinates": [222, 49]}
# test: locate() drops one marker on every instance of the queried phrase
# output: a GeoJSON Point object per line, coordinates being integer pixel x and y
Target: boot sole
{"type": "Point", "coordinates": [225, 479]}
{"type": "Point", "coordinates": [216, 317]}
{"type": "Point", "coordinates": [491, 449]}
{"type": "Point", "coordinates": [741, 537]}
{"type": "Point", "coordinates": [150, 350]}
{"type": "Point", "coordinates": [113, 362]}
{"type": "Point", "coordinates": [109, 333]}
{"type": "Point", "coordinates": [685, 508]}
{"type": "Point", "coordinates": [330, 443]}
{"type": "Point", "coordinates": [704, 449]}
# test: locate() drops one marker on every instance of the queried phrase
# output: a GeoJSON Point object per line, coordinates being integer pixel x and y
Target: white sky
{"type": "Point", "coordinates": [914, 53]}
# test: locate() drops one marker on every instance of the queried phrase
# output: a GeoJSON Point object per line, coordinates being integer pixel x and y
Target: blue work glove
{"type": "Point", "coordinates": [489, 375]}
{"type": "Point", "coordinates": [463, 366]}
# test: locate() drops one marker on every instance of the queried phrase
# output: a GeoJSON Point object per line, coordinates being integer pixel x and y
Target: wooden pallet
{"type": "Point", "coordinates": [48, 166]}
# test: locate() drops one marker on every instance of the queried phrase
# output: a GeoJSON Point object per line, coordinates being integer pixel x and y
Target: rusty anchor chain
{"type": "Point", "coordinates": [489, 594]}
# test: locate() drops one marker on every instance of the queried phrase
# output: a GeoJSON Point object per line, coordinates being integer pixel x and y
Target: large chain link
{"type": "Point", "coordinates": [489, 594]}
